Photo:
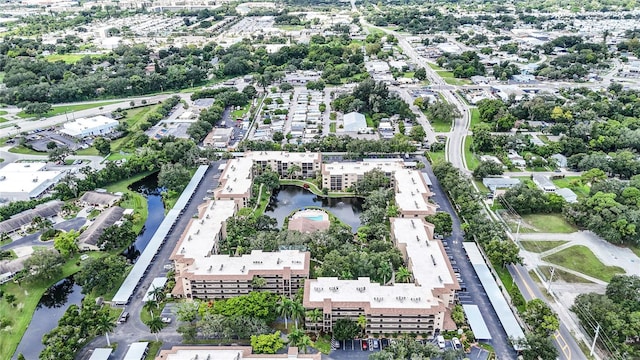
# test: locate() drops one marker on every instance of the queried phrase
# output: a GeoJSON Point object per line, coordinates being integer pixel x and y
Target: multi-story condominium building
{"type": "Point", "coordinates": [237, 177]}
{"type": "Point", "coordinates": [342, 176]}
{"type": "Point", "coordinates": [412, 194]}
{"type": "Point", "coordinates": [204, 274]}
{"type": "Point", "coordinates": [227, 353]}
{"type": "Point", "coordinates": [418, 307]}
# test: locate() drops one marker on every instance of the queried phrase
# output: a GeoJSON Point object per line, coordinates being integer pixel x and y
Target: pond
{"type": "Point", "coordinates": [289, 198]}
{"type": "Point", "coordinates": [147, 187]}
{"type": "Point", "coordinates": [50, 309]}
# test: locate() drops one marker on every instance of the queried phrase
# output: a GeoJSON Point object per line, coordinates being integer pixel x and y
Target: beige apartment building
{"type": "Point", "coordinates": [227, 353]}
{"type": "Point", "coordinates": [344, 175]}
{"type": "Point", "coordinates": [202, 273]}
{"type": "Point", "coordinates": [237, 178]}
{"type": "Point", "coordinates": [412, 194]}
{"type": "Point", "coordinates": [418, 307]}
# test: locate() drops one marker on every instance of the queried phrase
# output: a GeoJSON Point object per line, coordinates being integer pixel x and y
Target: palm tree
{"type": "Point", "coordinates": [297, 312]}
{"type": "Point", "coordinates": [292, 170]}
{"type": "Point", "coordinates": [283, 308]}
{"type": "Point", "coordinates": [158, 294]}
{"type": "Point", "coordinates": [304, 343]}
{"type": "Point", "coordinates": [149, 305]}
{"type": "Point", "coordinates": [155, 325]}
{"type": "Point", "coordinates": [403, 275]}
{"type": "Point", "coordinates": [105, 325]}
{"type": "Point", "coordinates": [294, 336]}
{"type": "Point", "coordinates": [314, 316]}
{"type": "Point", "coordinates": [362, 323]}
{"type": "Point", "coordinates": [258, 282]}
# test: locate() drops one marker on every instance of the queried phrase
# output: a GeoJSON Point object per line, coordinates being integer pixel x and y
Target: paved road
{"type": "Point", "coordinates": [562, 338]}
{"type": "Point", "coordinates": [475, 290]}
{"type": "Point", "coordinates": [34, 239]}
{"type": "Point", "coordinates": [9, 157]}
{"type": "Point", "coordinates": [134, 330]}
{"type": "Point", "coordinates": [28, 125]}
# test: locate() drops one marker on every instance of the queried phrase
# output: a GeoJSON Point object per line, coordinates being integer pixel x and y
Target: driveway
{"type": "Point", "coordinates": [134, 330]}
{"type": "Point", "coordinates": [475, 293]}
{"type": "Point", "coordinates": [34, 239]}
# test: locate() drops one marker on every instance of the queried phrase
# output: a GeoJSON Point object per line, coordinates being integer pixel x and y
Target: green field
{"type": "Point", "coordinates": [290, 27]}
{"type": "Point", "coordinates": [549, 223]}
{"type": "Point", "coordinates": [409, 74]}
{"type": "Point", "coordinates": [541, 246]}
{"type": "Point", "coordinates": [3, 119]}
{"type": "Point", "coordinates": [369, 120]}
{"type": "Point", "coordinates": [440, 126]}
{"type": "Point", "coordinates": [57, 110]}
{"type": "Point", "coordinates": [67, 58]}
{"type": "Point", "coordinates": [451, 80]}
{"type": "Point", "coordinates": [435, 67]}
{"type": "Point", "coordinates": [562, 275]}
{"type": "Point", "coordinates": [581, 259]}
{"type": "Point", "coordinates": [2, 112]}
{"type": "Point", "coordinates": [436, 157]}
{"type": "Point", "coordinates": [470, 157]}
{"type": "Point", "coordinates": [25, 151]}
{"type": "Point", "coordinates": [573, 183]}
{"type": "Point", "coordinates": [332, 127]}
{"type": "Point", "coordinates": [239, 114]}
{"type": "Point", "coordinates": [475, 117]}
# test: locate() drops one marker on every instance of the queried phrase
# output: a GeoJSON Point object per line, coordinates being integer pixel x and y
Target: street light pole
{"type": "Point", "coordinates": [553, 270]}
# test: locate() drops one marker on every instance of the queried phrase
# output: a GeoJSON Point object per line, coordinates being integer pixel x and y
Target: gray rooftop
{"type": "Point", "coordinates": [107, 218]}
{"type": "Point", "coordinates": [45, 210]}
{"type": "Point", "coordinates": [140, 267]}
{"type": "Point", "coordinates": [98, 198]}
{"type": "Point", "coordinates": [476, 321]}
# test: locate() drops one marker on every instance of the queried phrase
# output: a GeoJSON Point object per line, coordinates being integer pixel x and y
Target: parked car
{"type": "Point", "coordinates": [123, 318]}
{"type": "Point", "coordinates": [166, 320]}
{"type": "Point", "coordinates": [364, 346]}
{"type": "Point", "coordinates": [441, 343]}
{"type": "Point", "coordinates": [456, 343]}
{"type": "Point", "coordinates": [376, 344]}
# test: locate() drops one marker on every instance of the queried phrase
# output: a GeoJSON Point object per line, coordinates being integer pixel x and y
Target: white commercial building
{"type": "Point", "coordinates": [93, 126]}
{"type": "Point", "coordinates": [24, 181]}
{"type": "Point", "coordinates": [354, 122]}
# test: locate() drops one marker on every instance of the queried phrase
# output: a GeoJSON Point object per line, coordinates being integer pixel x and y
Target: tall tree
{"type": "Point", "coordinates": [540, 318]}
{"type": "Point", "coordinates": [155, 326]}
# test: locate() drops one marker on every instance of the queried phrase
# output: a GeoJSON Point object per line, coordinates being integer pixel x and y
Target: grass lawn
{"type": "Point", "coordinates": [136, 201]}
{"type": "Point", "coordinates": [437, 157]}
{"type": "Point", "coordinates": [580, 258]}
{"type": "Point", "coordinates": [154, 348]}
{"type": "Point", "coordinates": [507, 281]}
{"type": "Point", "coordinates": [409, 74]}
{"type": "Point", "coordinates": [440, 126]}
{"type": "Point", "coordinates": [332, 127]}
{"type": "Point", "coordinates": [373, 30]}
{"type": "Point", "coordinates": [322, 344]}
{"type": "Point", "coordinates": [2, 112]}
{"type": "Point", "coordinates": [25, 150]}
{"type": "Point", "coordinates": [3, 119]}
{"type": "Point", "coordinates": [450, 79]}
{"type": "Point", "coordinates": [239, 114]}
{"type": "Point", "coordinates": [573, 183]}
{"type": "Point", "coordinates": [562, 275]}
{"type": "Point", "coordinates": [369, 120]}
{"type": "Point", "coordinates": [549, 223]}
{"type": "Point", "coordinates": [435, 66]}
{"type": "Point", "coordinates": [541, 246]}
{"type": "Point", "coordinates": [27, 297]}
{"type": "Point", "coordinates": [635, 249]}
{"type": "Point", "coordinates": [475, 117]}
{"type": "Point", "coordinates": [481, 187]}
{"type": "Point", "coordinates": [290, 27]}
{"type": "Point", "coordinates": [67, 58]}
{"type": "Point", "coordinates": [118, 156]}
{"type": "Point", "coordinates": [544, 138]}
{"type": "Point", "coordinates": [57, 110]}
{"type": "Point", "coordinates": [91, 151]}
{"type": "Point", "coordinates": [470, 157]}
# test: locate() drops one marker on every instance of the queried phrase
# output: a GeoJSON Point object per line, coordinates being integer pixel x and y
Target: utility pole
{"type": "Point", "coordinates": [518, 230]}
{"type": "Point", "coordinates": [595, 338]}
{"type": "Point", "coordinates": [553, 270]}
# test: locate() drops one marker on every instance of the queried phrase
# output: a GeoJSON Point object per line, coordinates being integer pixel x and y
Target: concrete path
{"type": "Point", "coordinates": [606, 252]}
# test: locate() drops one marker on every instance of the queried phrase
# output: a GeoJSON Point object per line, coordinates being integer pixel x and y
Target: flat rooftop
{"type": "Point", "coordinates": [78, 125]}
{"type": "Point", "coordinates": [257, 261]}
{"type": "Point", "coordinates": [429, 264]}
{"type": "Point", "coordinates": [26, 178]}
{"type": "Point", "coordinates": [396, 297]}
{"type": "Point", "coordinates": [360, 168]}
{"type": "Point", "coordinates": [237, 176]}
{"type": "Point", "coordinates": [198, 239]}
{"type": "Point", "coordinates": [412, 192]}
{"type": "Point", "coordinates": [284, 156]}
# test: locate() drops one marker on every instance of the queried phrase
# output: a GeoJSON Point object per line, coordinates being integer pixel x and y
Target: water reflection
{"type": "Point", "coordinates": [57, 295]}
{"type": "Point", "coordinates": [289, 198]}
{"type": "Point", "coordinates": [148, 187]}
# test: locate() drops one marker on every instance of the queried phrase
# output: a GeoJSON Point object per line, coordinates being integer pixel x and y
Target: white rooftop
{"type": "Point", "coordinates": [80, 125]}
{"type": "Point", "coordinates": [136, 351]}
{"type": "Point", "coordinates": [359, 168]}
{"type": "Point", "coordinates": [157, 283]}
{"type": "Point", "coordinates": [257, 261]}
{"type": "Point", "coordinates": [199, 237]}
{"type": "Point", "coordinates": [354, 121]}
{"type": "Point", "coordinates": [30, 179]}
{"type": "Point", "coordinates": [398, 296]}
{"type": "Point", "coordinates": [427, 259]}
{"type": "Point", "coordinates": [237, 176]}
{"type": "Point", "coordinates": [412, 192]}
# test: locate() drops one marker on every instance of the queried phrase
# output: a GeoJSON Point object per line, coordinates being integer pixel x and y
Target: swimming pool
{"type": "Point", "coordinates": [315, 218]}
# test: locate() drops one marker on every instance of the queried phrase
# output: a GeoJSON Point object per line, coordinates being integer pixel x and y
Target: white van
{"type": "Point", "coordinates": [441, 343]}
